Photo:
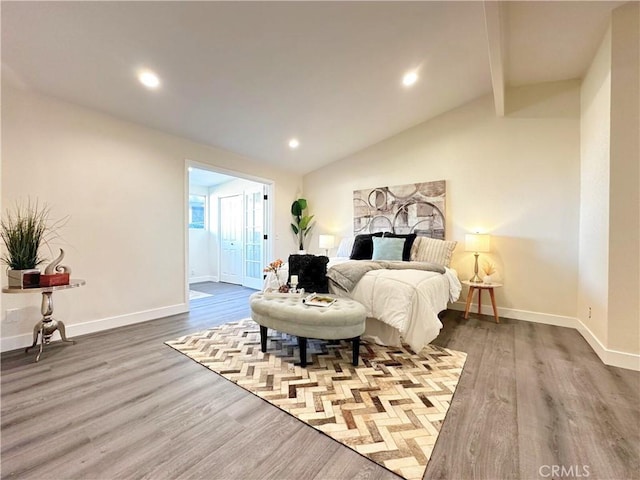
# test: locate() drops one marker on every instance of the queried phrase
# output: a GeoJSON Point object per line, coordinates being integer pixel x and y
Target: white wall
{"type": "Point", "coordinates": [624, 195]}
{"type": "Point", "coordinates": [202, 263]}
{"type": "Point", "coordinates": [593, 260]}
{"type": "Point", "coordinates": [517, 177]}
{"type": "Point", "coordinates": [609, 276]}
{"type": "Point", "coordinates": [123, 186]}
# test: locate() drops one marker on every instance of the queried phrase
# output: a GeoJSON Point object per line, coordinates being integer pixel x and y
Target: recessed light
{"type": "Point", "coordinates": [149, 79]}
{"type": "Point", "coordinates": [410, 78]}
{"type": "Point", "coordinates": [294, 143]}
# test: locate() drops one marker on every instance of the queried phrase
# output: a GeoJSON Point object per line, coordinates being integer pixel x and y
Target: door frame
{"type": "Point", "coordinates": [268, 212]}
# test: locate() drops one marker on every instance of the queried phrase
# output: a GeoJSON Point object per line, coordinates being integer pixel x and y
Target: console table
{"type": "Point", "coordinates": [48, 325]}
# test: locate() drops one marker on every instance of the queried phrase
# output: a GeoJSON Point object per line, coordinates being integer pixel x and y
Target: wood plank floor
{"type": "Point", "coordinates": [120, 404]}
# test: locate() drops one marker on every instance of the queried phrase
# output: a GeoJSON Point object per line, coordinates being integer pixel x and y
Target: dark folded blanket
{"type": "Point", "coordinates": [346, 275]}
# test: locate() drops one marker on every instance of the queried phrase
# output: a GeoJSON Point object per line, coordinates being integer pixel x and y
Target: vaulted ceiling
{"type": "Point", "coordinates": [248, 76]}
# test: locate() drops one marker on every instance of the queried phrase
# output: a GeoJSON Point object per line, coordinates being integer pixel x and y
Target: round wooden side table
{"type": "Point", "coordinates": [473, 286]}
{"type": "Point", "coordinates": [47, 325]}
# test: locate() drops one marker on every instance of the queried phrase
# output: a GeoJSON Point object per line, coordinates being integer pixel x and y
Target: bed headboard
{"type": "Point", "coordinates": [413, 208]}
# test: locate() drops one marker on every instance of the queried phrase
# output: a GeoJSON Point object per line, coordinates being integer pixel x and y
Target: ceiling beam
{"type": "Point", "coordinates": [493, 15]}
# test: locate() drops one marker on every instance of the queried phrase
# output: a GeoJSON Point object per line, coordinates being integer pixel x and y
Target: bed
{"type": "Point", "coordinates": [402, 298]}
{"type": "Point", "coordinates": [402, 304]}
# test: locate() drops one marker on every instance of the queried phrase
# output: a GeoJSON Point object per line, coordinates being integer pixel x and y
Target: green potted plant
{"type": "Point", "coordinates": [23, 231]}
{"type": "Point", "coordinates": [301, 224]}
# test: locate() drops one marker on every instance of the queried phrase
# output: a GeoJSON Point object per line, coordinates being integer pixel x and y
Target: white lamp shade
{"type": "Point", "coordinates": [476, 242]}
{"type": "Point", "coordinates": [326, 241]}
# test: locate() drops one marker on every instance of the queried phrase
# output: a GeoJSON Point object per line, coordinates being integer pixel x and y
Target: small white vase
{"type": "Point", "coordinates": [487, 279]}
{"type": "Point", "coordinates": [302, 252]}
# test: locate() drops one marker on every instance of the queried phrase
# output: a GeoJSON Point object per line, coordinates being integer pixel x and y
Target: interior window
{"type": "Point", "coordinates": [197, 211]}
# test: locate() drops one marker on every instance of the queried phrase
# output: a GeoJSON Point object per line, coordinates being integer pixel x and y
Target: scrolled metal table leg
{"type": "Point", "coordinates": [63, 332]}
{"type": "Point", "coordinates": [47, 326]}
{"type": "Point", "coordinates": [41, 343]}
{"type": "Point", "coordinates": [37, 329]}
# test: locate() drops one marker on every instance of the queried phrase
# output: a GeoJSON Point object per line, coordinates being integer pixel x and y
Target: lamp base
{"type": "Point", "coordinates": [476, 278]}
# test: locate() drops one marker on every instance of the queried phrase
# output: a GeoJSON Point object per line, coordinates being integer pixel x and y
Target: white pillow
{"type": "Point", "coordinates": [345, 247]}
{"type": "Point", "coordinates": [425, 249]}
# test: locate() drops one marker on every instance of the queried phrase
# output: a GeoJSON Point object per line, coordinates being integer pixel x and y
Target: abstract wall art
{"type": "Point", "coordinates": [413, 208]}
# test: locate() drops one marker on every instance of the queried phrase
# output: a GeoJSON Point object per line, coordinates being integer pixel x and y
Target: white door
{"type": "Point", "coordinates": [231, 239]}
{"type": "Point", "coordinates": [254, 238]}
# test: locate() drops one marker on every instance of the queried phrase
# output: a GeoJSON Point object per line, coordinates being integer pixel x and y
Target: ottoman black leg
{"type": "Point", "coordinates": [356, 350]}
{"type": "Point", "coordinates": [263, 338]}
{"type": "Point", "coordinates": [302, 345]}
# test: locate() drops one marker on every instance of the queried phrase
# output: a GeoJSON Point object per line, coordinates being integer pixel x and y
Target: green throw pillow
{"type": "Point", "coordinates": [387, 248]}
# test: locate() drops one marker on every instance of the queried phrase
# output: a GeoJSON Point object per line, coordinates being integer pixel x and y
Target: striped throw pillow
{"type": "Point", "coordinates": [425, 249]}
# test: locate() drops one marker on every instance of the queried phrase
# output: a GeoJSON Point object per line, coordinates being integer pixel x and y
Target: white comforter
{"type": "Point", "coordinates": [407, 300]}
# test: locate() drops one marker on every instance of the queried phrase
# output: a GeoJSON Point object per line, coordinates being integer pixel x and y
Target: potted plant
{"type": "Point", "coordinates": [24, 231]}
{"type": "Point", "coordinates": [302, 223]}
{"type": "Point", "coordinates": [489, 270]}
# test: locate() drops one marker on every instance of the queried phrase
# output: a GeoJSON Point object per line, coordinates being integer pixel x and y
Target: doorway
{"type": "Point", "coordinates": [229, 227]}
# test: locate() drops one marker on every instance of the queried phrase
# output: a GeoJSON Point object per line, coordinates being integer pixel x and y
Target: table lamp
{"type": "Point", "coordinates": [326, 242]}
{"type": "Point", "coordinates": [476, 243]}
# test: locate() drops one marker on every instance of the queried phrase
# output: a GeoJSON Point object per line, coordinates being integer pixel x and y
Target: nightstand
{"type": "Point", "coordinates": [480, 287]}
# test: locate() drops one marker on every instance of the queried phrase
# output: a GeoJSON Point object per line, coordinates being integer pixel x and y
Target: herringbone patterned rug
{"type": "Point", "coordinates": [389, 408]}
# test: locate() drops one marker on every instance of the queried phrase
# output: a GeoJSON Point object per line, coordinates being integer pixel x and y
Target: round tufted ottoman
{"type": "Point", "coordinates": [343, 320]}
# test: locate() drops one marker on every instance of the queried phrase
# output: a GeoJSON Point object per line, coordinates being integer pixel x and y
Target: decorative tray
{"type": "Point", "coordinates": [318, 300]}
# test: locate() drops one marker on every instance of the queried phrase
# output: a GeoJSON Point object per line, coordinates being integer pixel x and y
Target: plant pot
{"type": "Point", "coordinates": [302, 252]}
{"type": "Point", "coordinates": [24, 278]}
{"type": "Point", "coordinates": [487, 279]}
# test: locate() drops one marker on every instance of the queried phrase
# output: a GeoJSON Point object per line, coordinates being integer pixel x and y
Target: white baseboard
{"type": "Point", "coordinates": [26, 339]}
{"type": "Point", "coordinates": [613, 358]}
{"type": "Point", "coordinates": [536, 317]}
{"type": "Point", "coordinates": [609, 357]}
{"type": "Point", "coordinates": [203, 278]}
